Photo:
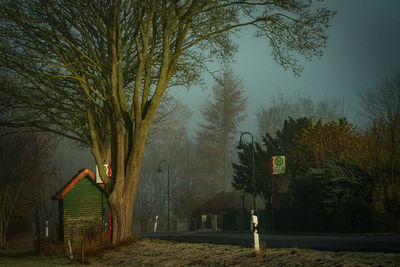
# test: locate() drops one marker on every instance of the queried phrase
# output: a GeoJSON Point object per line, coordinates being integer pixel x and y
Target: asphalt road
{"type": "Point", "coordinates": [382, 243]}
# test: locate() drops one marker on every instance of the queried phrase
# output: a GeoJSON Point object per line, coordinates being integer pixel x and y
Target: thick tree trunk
{"type": "Point", "coordinates": [122, 198]}
{"type": "Point", "coordinates": [121, 210]}
{"type": "Point", "coordinates": [122, 201]}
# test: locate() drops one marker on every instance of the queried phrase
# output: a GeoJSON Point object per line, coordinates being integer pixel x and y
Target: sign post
{"type": "Point", "coordinates": [277, 167]}
{"type": "Point", "coordinates": [278, 164]}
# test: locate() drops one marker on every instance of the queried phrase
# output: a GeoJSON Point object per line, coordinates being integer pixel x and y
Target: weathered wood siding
{"type": "Point", "coordinates": [83, 211]}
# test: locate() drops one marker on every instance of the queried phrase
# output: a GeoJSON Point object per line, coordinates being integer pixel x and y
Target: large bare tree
{"type": "Point", "coordinates": [96, 71]}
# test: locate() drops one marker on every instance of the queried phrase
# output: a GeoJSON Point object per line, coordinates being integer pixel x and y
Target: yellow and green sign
{"type": "Point", "coordinates": [278, 165]}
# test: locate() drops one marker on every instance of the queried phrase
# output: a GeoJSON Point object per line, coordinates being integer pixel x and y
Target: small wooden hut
{"type": "Point", "coordinates": [82, 207]}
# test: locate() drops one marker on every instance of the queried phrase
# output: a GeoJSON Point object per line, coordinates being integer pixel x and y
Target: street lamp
{"type": "Point", "coordinates": [160, 170]}
{"type": "Point", "coordinates": [241, 146]}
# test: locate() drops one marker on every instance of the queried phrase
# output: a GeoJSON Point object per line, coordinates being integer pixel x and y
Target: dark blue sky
{"type": "Point", "coordinates": [363, 47]}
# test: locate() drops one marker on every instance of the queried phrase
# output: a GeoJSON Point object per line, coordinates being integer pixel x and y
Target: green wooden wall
{"type": "Point", "coordinates": [84, 207]}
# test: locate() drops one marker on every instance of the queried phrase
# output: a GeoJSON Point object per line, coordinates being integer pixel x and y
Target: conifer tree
{"type": "Point", "coordinates": [222, 115]}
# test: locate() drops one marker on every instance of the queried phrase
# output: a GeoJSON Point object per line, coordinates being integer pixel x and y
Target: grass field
{"type": "Point", "coordinates": [145, 252]}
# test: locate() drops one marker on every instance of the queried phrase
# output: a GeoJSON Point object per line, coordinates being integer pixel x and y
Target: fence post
{"type": "Point", "coordinates": [82, 251]}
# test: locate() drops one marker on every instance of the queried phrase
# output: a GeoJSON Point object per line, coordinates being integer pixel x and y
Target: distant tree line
{"type": "Point", "coordinates": [26, 166]}
{"type": "Point", "coordinates": [200, 167]}
{"type": "Point", "coordinates": [339, 177]}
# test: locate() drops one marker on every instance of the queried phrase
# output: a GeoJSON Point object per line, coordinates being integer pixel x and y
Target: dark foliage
{"type": "Point", "coordinates": [337, 197]}
{"type": "Point", "coordinates": [243, 172]}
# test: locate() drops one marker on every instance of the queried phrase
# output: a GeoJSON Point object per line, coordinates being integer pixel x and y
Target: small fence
{"type": "Point", "coordinates": [228, 221]}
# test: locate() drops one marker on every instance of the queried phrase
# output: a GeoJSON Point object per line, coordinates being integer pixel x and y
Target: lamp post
{"type": "Point", "coordinates": [160, 170]}
{"type": "Point", "coordinates": [241, 146]}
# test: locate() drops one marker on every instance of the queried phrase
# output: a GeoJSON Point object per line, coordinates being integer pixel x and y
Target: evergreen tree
{"type": "Point", "coordinates": [286, 140]}
{"type": "Point", "coordinates": [336, 197]}
{"type": "Point", "coordinates": [243, 171]}
{"type": "Point", "coordinates": [222, 115]}
{"type": "Point", "coordinates": [282, 144]}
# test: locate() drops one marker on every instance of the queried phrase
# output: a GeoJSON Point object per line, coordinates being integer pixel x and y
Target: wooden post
{"type": "Point", "coordinates": [71, 255]}
{"type": "Point", "coordinates": [47, 229]}
{"type": "Point", "coordinates": [82, 251]}
{"type": "Point", "coordinates": [109, 223]}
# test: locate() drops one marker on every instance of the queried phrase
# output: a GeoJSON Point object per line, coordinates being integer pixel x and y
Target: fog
{"type": "Point", "coordinates": [363, 47]}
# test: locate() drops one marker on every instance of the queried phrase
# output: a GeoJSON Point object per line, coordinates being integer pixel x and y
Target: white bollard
{"type": "Point", "coordinates": [216, 223]}
{"type": "Point", "coordinates": [155, 224]}
{"type": "Point", "coordinates": [255, 231]}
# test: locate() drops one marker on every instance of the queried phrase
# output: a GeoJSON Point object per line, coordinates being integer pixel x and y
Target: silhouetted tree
{"type": "Point", "coordinates": [243, 171]}
{"type": "Point", "coordinates": [25, 165]}
{"type": "Point", "coordinates": [271, 118]}
{"type": "Point", "coordinates": [286, 141]}
{"type": "Point", "coordinates": [381, 154]}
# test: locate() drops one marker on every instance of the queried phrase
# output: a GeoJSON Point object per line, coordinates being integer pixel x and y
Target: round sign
{"type": "Point", "coordinates": [278, 161]}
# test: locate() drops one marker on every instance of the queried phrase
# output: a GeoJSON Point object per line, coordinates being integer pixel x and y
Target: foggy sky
{"type": "Point", "coordinates": [363, 47]}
